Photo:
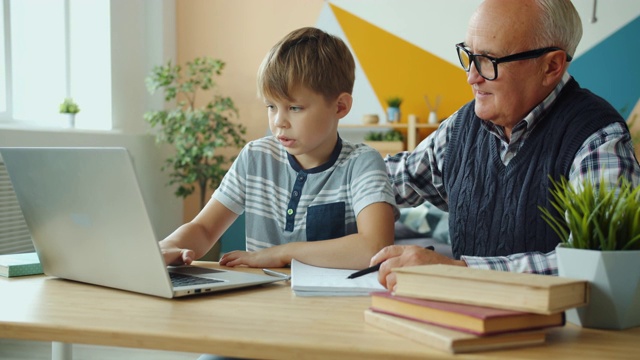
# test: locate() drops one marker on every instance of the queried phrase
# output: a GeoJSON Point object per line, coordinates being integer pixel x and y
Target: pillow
{"type": "Point", "coordinates": [424, 220]}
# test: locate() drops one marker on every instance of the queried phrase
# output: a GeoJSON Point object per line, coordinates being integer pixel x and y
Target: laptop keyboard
{"type": "Point", "coordinates": [178, 279]}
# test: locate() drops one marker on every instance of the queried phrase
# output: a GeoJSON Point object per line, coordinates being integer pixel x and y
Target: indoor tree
{"type": "Point", "coordinates": [196, 132]}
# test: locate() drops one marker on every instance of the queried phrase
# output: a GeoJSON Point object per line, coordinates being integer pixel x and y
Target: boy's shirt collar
{"type": "Point", "coordinates": [335, 154]}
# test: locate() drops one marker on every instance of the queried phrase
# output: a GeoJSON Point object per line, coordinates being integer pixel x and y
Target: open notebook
{"type": "Point", "coordinates": [307, 280]}
{"type": "Point", "coordinates": [88, 221]}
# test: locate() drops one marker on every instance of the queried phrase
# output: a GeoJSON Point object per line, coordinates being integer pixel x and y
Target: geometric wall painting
{"type": "Point", "coordinates": [610, 69]}
{"type": "Point", "coordinates": [395, 67]}
{"type": "Point", "coordinates": [405, 48]}
{"type": "Point", "coordinates": [364, 99]}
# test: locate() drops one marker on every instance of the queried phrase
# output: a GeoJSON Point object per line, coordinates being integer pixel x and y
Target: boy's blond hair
{"type": "Point", "coordinates": [307, 57]}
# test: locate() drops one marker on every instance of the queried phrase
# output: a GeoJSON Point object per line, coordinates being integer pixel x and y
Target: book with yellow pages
{"type": "Point", "coordinates": [473, 319]}
{"type": "Point", "coordinates": [450, 340]}
{"type": "Point", "coordinates": [542, 294]}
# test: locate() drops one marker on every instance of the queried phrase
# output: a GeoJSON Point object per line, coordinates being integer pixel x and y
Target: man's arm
{"type": "Point", "coordinates": [531, 262]}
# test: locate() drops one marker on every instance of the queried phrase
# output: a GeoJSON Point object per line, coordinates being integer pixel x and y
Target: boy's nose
{"type": "Point", "coordinates": [280, 120]}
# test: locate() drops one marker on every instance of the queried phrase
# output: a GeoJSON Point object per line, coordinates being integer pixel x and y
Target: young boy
{"type": "Point", "coordinates": [307, 194]}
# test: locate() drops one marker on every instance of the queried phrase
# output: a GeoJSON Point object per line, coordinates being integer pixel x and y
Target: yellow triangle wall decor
{"type": "Point", "coordinates": [395, 67]}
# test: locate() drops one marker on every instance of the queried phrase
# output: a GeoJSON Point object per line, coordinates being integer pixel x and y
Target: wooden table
{"type": "Point", "coordinates": [262, 322]}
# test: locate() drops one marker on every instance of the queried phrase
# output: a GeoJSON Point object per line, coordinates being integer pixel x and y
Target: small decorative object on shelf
{"type": "Point", "coordinates": [393, 109]}
{"type": "Point", "coordinates": [389, 142]}
{"type": "Point", "coordinates": [370, 119]}
{"type": "Point", "coordinates": [433, 110]}
{"type": "Point", "coordinates": [70, 108]}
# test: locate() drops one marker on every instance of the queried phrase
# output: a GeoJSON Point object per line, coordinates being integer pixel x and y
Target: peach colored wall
{"type": "Point", "coordinates": [239, 32]}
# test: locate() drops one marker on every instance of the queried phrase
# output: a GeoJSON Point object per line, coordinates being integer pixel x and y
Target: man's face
{"type": "Point", "coordinates": [500, 28]}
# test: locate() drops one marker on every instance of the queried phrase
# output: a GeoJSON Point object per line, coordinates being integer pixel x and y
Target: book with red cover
{"type": "Point", "coordinates": [472, 319]}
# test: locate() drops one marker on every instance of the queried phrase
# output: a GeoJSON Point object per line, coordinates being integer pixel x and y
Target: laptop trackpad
{"type": "Point", "coordinates": [193, 270]}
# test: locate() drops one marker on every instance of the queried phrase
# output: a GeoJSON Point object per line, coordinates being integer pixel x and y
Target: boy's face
{"type": "Point", "coordinates": [307, 125]}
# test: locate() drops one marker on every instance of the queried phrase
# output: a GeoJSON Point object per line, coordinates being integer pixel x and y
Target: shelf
{"type": "Point", "coordinates": [389, 125]}
{"type": "Point", "coordinates": [412, 129]}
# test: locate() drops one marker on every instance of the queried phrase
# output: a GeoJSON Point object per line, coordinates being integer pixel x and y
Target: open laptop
{"type": "Point", "coordinates": [88, 222]}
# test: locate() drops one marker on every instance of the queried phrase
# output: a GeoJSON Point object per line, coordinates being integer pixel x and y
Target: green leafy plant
{"type": "Point", "coordinates": [595, 219]}
{"type": "Point", "coordinates": [68, 106]}
{"type": "Point", "coordinates": [394, 102]}
{"type": "Point", "coordinates": [391, 135]}
{"type": "Point", "coordinates": [197, 133]}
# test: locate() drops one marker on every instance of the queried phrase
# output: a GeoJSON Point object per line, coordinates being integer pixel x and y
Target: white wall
{"type": "Point", "coordinates": [143, 35]}
{"type": "Point", "coordinates": [165, 209]}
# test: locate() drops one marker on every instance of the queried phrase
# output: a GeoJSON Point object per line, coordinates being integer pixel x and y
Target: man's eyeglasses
{"type": "Point", "coordinates": [487, 66]}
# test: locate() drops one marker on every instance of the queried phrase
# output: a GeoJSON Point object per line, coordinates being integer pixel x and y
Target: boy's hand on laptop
{"type": "Point", "coordinates": [177, 256]}
{"type": "Point", "coordinates": [262, 258]}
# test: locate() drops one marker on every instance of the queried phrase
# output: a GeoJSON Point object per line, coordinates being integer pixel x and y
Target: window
{"type": "Point", "coordinates": [67, 54]}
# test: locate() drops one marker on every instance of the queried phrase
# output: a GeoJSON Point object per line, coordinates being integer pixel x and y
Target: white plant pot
{"type": "Point", "coordinates": [614, 277]}
{"type": "Point", "coordinates": [71, 120]}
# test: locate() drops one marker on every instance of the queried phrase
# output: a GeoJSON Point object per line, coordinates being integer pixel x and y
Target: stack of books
{"type": "Point", "coordinates": [458, 309]}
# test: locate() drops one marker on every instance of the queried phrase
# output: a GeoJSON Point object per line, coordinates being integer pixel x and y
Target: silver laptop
{"type": "Point", "coordinates": [88, 222]}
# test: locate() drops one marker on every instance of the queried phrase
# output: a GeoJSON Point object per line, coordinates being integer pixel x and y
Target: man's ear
{"type": "Point", "coordinates": [344, 102]}
{"type": "Point", "coordinates": [555, 66]}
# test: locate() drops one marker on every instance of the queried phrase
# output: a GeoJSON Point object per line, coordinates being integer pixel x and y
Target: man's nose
{"type": "Point", "coordinates": [473, 76]}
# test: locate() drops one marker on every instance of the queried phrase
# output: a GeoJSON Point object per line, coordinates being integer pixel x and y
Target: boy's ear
{"type": "Point", "coordinates": [344, 102]}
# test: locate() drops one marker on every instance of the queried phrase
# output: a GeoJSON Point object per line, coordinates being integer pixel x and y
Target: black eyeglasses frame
{"type": "Point", "coordinates": [525, 55]}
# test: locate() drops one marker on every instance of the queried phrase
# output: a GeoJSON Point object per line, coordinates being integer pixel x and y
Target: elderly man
{"type": "Point", "coordinates": [489, 163]}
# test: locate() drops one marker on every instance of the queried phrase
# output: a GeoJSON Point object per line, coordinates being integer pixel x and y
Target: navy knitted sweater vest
{"type": "Point", "coordinates": [494, 208]}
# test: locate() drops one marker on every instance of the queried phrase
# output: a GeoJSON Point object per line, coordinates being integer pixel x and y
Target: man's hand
{"type": "Point", "coordinates": [395, 256]}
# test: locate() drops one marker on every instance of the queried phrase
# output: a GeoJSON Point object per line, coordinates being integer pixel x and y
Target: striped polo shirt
{"type": "Point", "coordinates": [285, 203]}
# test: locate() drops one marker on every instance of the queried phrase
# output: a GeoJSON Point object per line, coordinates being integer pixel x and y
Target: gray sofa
{"type": "Point", "coordinates": [424, 225]}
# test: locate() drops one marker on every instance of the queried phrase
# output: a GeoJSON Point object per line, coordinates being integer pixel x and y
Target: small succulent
{"type": "Point", "coordinates": [68, 106]}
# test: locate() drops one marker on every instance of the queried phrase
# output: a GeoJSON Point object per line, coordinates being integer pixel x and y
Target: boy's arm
{"type": "Point", "coordinates": [194, 239]}
{"type": "Point", "coordinates": [375, 231]}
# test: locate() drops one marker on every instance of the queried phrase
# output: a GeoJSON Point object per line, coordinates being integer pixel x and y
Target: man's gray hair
{"type": "Point", "coordinates": [560, 25]}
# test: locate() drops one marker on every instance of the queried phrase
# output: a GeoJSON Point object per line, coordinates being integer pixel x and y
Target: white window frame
{"type": "Point", "coordinates": [154, 45]}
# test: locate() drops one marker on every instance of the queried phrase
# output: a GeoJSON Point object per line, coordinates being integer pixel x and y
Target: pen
{"type": "Point", "coordinates": [374, 268]}
{"type": "Point", "coordinates": [276, 273]}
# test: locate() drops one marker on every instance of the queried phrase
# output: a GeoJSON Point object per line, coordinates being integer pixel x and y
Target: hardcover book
{"type": "Point", "coordinates": [20, 264]}
{"type": "Point", "coordinates": [473, 319]}
{"type": "Point", "coordinates": [450, 340]}
{"type": "Point", "coordinates": [542, 294]}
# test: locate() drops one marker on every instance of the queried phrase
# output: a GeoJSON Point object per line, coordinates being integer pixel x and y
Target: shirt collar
{"type": "Point", "coordinates": [539, 110]}
{"type": "Point", "coordinates": [318, 169]}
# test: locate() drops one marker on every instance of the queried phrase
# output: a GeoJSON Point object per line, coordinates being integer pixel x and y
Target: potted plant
{"type": "Point", "coordinates": [196, 131]}
{"type": "Point", "coordinates": [600, 242]}
{"type": "Point", "coordinates": [393, 109]}
{"type": "Point", "coordinates": [389, 142]}
{"type": "Point", "coordinates": [70, 108]}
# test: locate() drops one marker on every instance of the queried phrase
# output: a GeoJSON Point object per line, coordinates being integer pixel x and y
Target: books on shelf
{"type": "Point", "coordinates": [307, 280]}
{"type": "Point", "coordinates": [472, 319]}
{"type": "Point", "coordinates": [542, 294]}
{"type": "Point", "coordinates": [450, 340]}
{"type": "Point", "coordinates": [20, 264]}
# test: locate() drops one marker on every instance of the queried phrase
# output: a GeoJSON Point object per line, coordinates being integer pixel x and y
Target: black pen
{"type": "Point", "coordinates": [374, 268]}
